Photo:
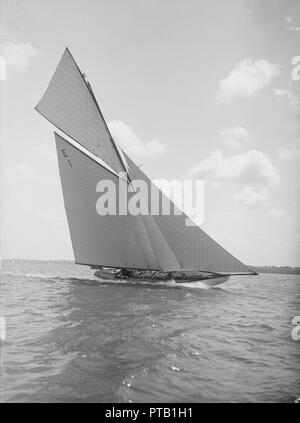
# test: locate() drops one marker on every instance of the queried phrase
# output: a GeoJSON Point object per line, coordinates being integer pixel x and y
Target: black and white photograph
{"type": "Point", "coordinates": [149, 206]}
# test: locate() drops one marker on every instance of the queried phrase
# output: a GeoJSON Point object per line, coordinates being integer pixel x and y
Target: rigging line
{"type": "Point", "coordinates": [88, 84]}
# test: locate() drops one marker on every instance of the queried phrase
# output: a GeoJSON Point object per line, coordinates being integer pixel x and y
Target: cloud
{"type": "Point", "coordinates": [292, 28]}
{"type": "Point", "coordinates": [246, 79]}
{"type": "Point", "coordinates": [127, 139]}
{"type": "Point", "coordinates": [252, 197]}
{"type": "Point", "coordinates": [293, 100]}
{"type": "Point", "coordinates": [250, 167]}
{"type": "Point", "coordinates": [18, 55]}
{"type": "Point", "coordinates": [235, 136]}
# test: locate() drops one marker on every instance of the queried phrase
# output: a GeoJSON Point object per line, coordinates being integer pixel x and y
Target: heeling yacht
{"type": "Point", "coordinates": [121, 247]}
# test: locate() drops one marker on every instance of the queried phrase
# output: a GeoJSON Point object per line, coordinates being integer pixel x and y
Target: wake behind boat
{"type": "Point", "coordinates": [121, 245]}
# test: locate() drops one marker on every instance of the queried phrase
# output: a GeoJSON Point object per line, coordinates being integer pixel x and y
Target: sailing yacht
{"type": "Point", "coordinates": [121, 247]}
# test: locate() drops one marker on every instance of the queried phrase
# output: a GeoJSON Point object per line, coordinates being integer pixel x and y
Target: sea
{"type": "Point", "coordinates": [71, 337]}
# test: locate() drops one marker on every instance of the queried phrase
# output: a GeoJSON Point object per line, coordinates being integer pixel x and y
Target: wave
{"type": "Point", "coordinates": [30, 275]}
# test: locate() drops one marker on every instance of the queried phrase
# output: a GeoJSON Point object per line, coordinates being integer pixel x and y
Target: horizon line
{"type": "Point", "coordinates": [73, 261]}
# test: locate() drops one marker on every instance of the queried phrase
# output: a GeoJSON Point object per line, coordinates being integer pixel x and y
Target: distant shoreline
{"type": "Point", "coordinates": [283, 270]}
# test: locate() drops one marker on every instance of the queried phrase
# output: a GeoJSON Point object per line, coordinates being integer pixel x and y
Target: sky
{"type": "Point", "coordinates": [201, 89]}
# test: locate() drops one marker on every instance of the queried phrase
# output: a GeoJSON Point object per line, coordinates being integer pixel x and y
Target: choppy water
{"type": "Point", "coordinates": [72, 338]}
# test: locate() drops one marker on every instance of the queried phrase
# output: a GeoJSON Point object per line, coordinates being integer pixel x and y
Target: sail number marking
{"type": "Point", "coordinates": [65, 154]}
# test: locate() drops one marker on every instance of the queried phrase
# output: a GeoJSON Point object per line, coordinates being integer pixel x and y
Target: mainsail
{"type": "Point", "coordinates": [109, 240]}
{"type": "Point", "coordinates": [144, 241]}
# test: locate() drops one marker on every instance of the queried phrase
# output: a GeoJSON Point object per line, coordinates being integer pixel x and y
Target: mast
{"type": "Point", "coordinates": [112, 140]}
{"type": "Point", "coordinates": [88, 84]}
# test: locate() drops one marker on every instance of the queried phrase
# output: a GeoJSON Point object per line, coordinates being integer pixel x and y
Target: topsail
{"type": "Point", "coordinates": [69, 104]}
